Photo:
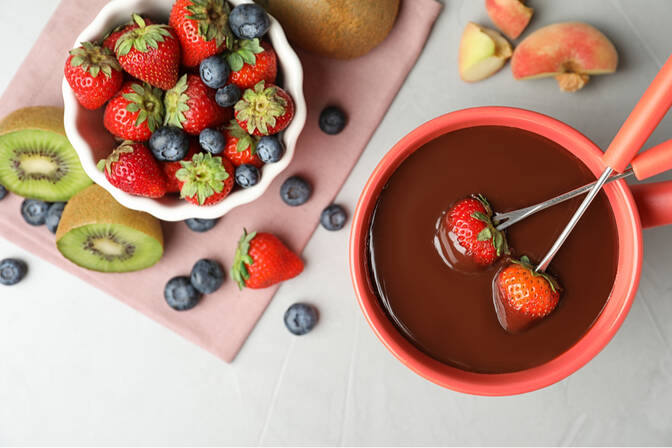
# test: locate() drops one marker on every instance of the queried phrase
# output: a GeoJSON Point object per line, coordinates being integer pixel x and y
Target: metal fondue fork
{"type": "Point", "coordinates": [636, 129]}
{"type": "Point", "coordinates": [504, 220]}
{"type": "Point", "coordinates": [649, 163]}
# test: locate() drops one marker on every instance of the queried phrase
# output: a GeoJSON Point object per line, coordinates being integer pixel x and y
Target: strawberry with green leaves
{"type": "Point", "coordinates": [110, 40]}
{"type": "Point", "coordinates": [469, 221]}
{"type": "Point", "coordinates": [132, 168]}
{"type": "Point", "coordinates": [251, 63]}
{"type": "Point", "coordinates": [171, 168]}
{"type": "Point", "coordinates": [265, 109]}
{"type": "Point", "coordinates": [191, 106]}
{"type": "Point", "coordinates": [135, 111]}
{"type": "Point", "coordinates": [202, 26]}
{"type": "Point", "coordinates": [262, 260]}
{"type": "Point", "coordinates": [523, 296]}
{"type": "Point", "coordinates": [94, 74]}
{"type": "Point", "coordinates": [151, 53]}
{"type": "Point", "coordinates": [241, 147]}
{"type": "Point", "coordinates": [205, 179]}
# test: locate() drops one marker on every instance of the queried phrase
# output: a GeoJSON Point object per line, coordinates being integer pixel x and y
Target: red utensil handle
{"type": "Point", "coordinates": [653, 161]}
{"type": "Point", "coordinates": [654, 202]}
{"type": "Point", "coordinates": [641, 122]}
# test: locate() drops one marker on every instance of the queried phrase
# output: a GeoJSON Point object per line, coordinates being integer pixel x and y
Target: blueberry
{"type": "Point", "coordinates": [212, 140]}
{"type": "Point", "coordinates": [270, 149]}
{"type": "Point", "coordinates": [300, 318]}
{"type": "Point", "coordinates": [295, 191]}
{"type": "Point", "coordinates": [201, 225]}
{"type": "Point", "coordinates": [34, 211]}
{"type": "Point", "coordinates": [12, 271]}
{"type": "Point", "coordinates": [207, 276]}
{"type": "Point", "coordinates": [214, 71]}
{"type": "Point", "coordinates": [228, 95]}
{"type": "Point", "coordinates": [169, 144]}
{"type": "Point", "coordinates": [248, 21]}
{"type": "Point", "coordinates": [333, 217]}
{"type": "Point", "coordinates": [54, 216]}
{"type": "Point", "coordinates": [247, 175]}
{"type": "Point", "coordinates": [332, 120]}
{"type": "Point", "coordinates": [180, 294]}
{"type": "Point", "coordinates": [3, 191]}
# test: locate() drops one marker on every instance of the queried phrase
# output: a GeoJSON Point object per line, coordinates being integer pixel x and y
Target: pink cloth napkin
{"type": "Point", "coordinates": [363, 87]}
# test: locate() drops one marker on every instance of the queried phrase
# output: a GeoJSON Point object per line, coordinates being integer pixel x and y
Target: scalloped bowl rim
{"type": "Point", "coordinates": [293, 84]}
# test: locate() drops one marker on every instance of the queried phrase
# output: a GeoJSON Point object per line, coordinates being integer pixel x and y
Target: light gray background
{"type": "Point", "coordinates": [78, 367]}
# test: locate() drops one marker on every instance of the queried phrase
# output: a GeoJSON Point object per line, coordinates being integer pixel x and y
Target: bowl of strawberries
{"type": "Point", "coordinates": [183, 108]}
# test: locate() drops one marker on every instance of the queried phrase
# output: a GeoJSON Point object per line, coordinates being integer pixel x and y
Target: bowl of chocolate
{"type": "Point", "coordinates": [439, 318]}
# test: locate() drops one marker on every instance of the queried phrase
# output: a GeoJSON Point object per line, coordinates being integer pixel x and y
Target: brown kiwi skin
{"type": "Point", "coordinates": [340, 29]}
{"type": "Point", "coordinates": [94, 205]}
{"type": "Point", "coordinates": [47, 118]}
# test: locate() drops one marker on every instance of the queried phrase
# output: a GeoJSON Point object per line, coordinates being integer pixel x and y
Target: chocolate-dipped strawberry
{"type": "Point", "coordinates": [523, 296]}
{"type": "Point", "coordinates": [466, 238]}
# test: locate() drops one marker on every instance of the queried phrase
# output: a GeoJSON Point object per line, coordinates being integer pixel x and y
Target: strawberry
{"type": "Point", "coordinates": [470, 222]}
{"type": "Point", "coordinates": [191, 105]}
{"type": "Point", "coordinates": [93, 74]}
{"type": "Point", "coordinates": [151, 53]}
{"type": "Point", "coordinates": [264, 110]}
{"type": "Point", "coordinates": [252, 63]}
{"type": "Point", "coordinates": [202, 26]}
{"type": "Point", "coordinates": [132, 168]}
{"type": "Point", "coordinates": [523, 296]}
{"type": "Point", "coordinates": [110, 40]}
{"type": "Point", "coordinates": [262, 260]}
{"type": "Point", "coordinates": [171, 168]}
{"type": "Point", "coordinates": [205, 180]}
{"type": "Point", "coordinates": [240, 146]}
{"type": "Point", "coordinates": [134, 112]}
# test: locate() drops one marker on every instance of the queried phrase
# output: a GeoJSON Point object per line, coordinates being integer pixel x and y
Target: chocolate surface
{"type": "Point", "coordinates": [450, 315]}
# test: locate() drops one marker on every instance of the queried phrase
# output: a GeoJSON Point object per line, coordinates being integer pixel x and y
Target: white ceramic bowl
{"type": "Point", "coordinates": [92, 142]}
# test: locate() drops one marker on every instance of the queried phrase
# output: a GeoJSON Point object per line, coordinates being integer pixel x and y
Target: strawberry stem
{"type": "Point", "coordinates": [490, 232]}
{"type": "Point", "coordinates": [143, 38]}
{"type": "Point", "coordinates": [242, 259]}
{"type": "Point", "coordinates": [176, 103]}
{"type": "Point", "coordinates": [260, 107]}
{"type": "Point", "coordinates": [146, 100]}
{"type": "Point", "coordinates": [202, 176]}
{"type": "Point", "coordinates": [94, 59]}
{"type": "Point", "coordinates": [212, 17]}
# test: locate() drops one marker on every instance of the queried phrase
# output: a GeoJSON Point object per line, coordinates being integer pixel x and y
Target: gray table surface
{"type": "Point", "coordinates": [77, 367]}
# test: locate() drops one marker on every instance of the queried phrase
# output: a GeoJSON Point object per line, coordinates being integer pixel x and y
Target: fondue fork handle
{"type": "Point", "coordinates": [647, 113]}
{"type": "Point", "coordinates": [505, 220]}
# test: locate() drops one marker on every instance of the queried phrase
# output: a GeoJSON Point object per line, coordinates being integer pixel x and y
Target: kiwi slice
{"type": "Point", "coordinates": [36, 159]}
{"type": "Point", "coordinates": [99, 234]}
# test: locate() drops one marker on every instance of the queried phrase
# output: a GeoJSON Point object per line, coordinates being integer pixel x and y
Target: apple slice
{"type": "Point", "coordinates": [570, 51]}
{"type": "Point", "coordinates": [482, 52]}
{"type": "Point", "coordinates": [510, 16]}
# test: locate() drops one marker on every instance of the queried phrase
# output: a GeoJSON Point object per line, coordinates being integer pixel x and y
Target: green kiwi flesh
{"type": "Point", "coordinates": [108, 247]}
{"type": "Point", "coordinates": [40, 164]}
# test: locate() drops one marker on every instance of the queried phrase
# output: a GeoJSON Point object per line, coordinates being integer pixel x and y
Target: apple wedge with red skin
{"type": "Point", "coordinates": [510, 16]}
{"type": "Point", "coordinates": [482, 52]}
{"type": "Point", "coordinates": [570, 51]}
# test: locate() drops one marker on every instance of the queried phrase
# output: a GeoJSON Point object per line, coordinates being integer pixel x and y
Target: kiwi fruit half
{"type": "Point", "coordinates": [99, 234]}
{"type": "Point", "coordinates": [36, 159]}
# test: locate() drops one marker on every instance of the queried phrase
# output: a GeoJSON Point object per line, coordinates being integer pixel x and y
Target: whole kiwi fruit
{"type": "Point", "coordinates": [341, 29]}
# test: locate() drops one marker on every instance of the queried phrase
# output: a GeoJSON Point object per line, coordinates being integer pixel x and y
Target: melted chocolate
{"type": "Point", "coordinates": [450, 315]}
